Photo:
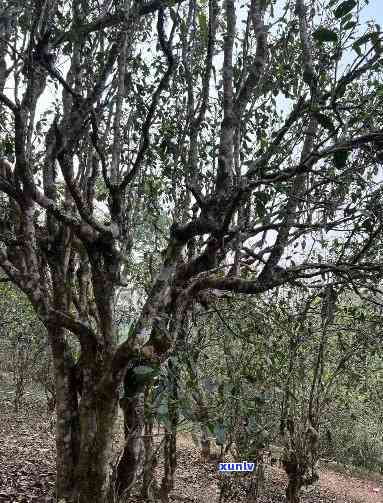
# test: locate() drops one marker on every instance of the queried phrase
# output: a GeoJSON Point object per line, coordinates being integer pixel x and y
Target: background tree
{"type": "Point", "coordinates": [24, 352]}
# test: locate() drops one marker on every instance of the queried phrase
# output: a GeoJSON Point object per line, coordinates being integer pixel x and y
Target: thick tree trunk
{"type": "Point", "coordinates": [67, 415]}
{"type": "Point", "coordinates": [293, 489]}
{"type": "Point", "coordinates": [84, 443]}
{"type": "Point", "coordinates": [84, 429]}
{"type": "Point", "coordinates": [93, 470]}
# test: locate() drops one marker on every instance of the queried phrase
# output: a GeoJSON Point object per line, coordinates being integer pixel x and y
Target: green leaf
{"type": "Point", "coordinates": [363, 39]}
{"type": "Point", "coordinates": [350, 25]}
{"type": "Point", "coordinates": [187, 413]}
{"type": "Point", "coordinates": [253, 424]}
{"type": "Point", "coordinates": [144, 371]}
{"type": "Point", "coordinates": [260, 208]}
{"type": "Point", "coordinates": [374, 37]}
{"type": "Point", "coordinates": [325, 121]}
{"type": "Point", "coordinates": [345, 19]}
{"type": "Point", "coordinates": [126, 330]}
{"type": "Point", "coordinates": [260, 397]}
{"type": "Point", "coordinates": [377, 43]}
{"type": "Point", "coordinates": [209, 384]}
{"type": "Point", "coordinates": [357, 49]}
{"type": "Point", "coordinates": [344, 8]}
{"type": "Point", "coordinates": [163, 410]}
{"type": "Point", "coordinates": [323, 34]}
{"type": "Point", "coordinates": [340, 158]}
{"type": "Point", "coordinates": [219, 433]}
{"type": "Point", "coordinates": [368, 225]}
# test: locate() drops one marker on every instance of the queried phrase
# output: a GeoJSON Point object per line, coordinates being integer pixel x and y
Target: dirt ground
{"type": "Point", "coordinates": [27, 468]}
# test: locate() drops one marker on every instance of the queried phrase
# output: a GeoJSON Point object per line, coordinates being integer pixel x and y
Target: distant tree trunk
{"type": "Point", "coordinates": [170, 464]}
{"type": "Point", "coordinates": [132, 404]}
{"type": "Point", "coordinates": [170, 447]}
{"type": "Point", "coordinates": [149, 487]}
{"type": "Point", "coordinates": [205, 443]}
{"type": "Point", "coordinates": [19, 392]}
{"type": "Point", "coordinates": [20, 372]}
{"type": "Point", "coordinates": [130, 464]}
{"type": "Point", "coordinates": [51, 403]}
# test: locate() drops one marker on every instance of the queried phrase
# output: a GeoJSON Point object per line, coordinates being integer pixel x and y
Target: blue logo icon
{"type": "Point", "coordinates": [244, 466]}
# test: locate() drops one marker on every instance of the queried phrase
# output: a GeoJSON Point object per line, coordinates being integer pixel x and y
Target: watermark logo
{"type": "Point", "coordinates": [244, 466]}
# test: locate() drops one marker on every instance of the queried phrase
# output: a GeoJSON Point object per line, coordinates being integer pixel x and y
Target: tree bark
{"type": "Point", "coordinates": [294, 472]}
{"type": "Point", "coordinates": [84, 428]}
{"type": "Point", "coordinates": [132, 404]}
{"type": "Point", "coordinates": [293, 489]}
{"type": "Point", "coordinates": [205, 443]}
{"type": "Point", "coordinates": [67, 414]}
{"type": "Point", "coordinates": [170, 447]}
{"type": "Point", "coordinates": [93, 469]}
{"type": "Point", "coordinates": [149, 486]}
{"type": "Point", "coordinates": [130, 464]}
{"type": "Point", "coordinates": [170, 463]}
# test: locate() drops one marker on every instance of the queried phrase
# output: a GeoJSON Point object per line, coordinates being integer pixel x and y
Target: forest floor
{"type": "Point", "coordinates": [27, 468]}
